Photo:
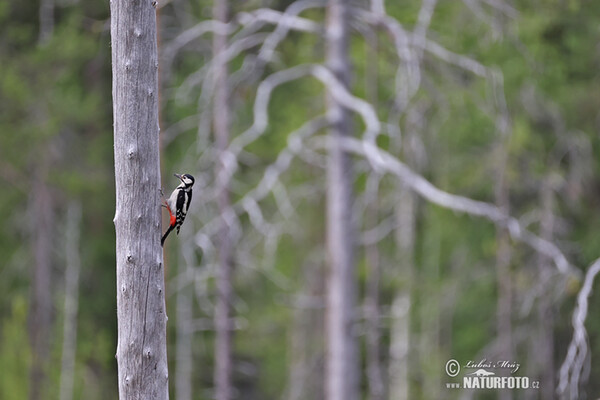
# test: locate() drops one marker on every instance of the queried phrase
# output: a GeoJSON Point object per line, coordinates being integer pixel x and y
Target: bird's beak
{"type": "Point", "coordinates": [178, 176]}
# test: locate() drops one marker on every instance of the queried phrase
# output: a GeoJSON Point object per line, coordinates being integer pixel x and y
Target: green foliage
{"type": "Point", "coordinates": [55, 114]}
{"type": "Point", "coordinates": [15, 357]}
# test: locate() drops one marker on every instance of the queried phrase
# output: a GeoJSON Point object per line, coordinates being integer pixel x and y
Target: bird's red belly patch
{"type": "Point", "coordinates": [172, 218]}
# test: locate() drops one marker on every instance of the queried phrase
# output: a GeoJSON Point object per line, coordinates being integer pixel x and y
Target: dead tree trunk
{"type": "Point", "coordinates": [399, 366]}
{"type": "Point", "coordinates": [40, 315]}
{"type": "Point", "coordinates": [223, 351]}
{"type": "Point", "coordinates": [372, 309]}
{"type": "Point", "coordinates": [183, 352]}
{"type": "Point", "coordinates": [503, 255]}
{"type": "Point", "coordinates": [141, 317]}
{"type": "Point", "coordinates": [544, 337]}
{"type": "Point", "coordinates": [46, 17]}
{"type": "Point", "coordinates": [373, 314]}
{"type": "Point", "coordinates": [342, 355]}
{"type": "Point", "coordinates": [73, 265]}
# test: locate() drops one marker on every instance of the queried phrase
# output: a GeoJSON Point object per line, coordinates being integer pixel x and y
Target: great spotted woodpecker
{"type": "Point", "coordinates": [178, 204]}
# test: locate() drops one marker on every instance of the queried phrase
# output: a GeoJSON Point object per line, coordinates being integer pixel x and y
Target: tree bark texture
{"type": "Point", "coordinates": [342, 356]}
{"type": "Point", "coordinates": [224, 330]}
{"type": "Point", "coordinates": [141, 317]}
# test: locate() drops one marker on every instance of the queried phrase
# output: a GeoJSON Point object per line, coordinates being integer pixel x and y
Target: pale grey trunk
{"type": "Point", "coordinates": [371, 303]}
{"type": "Point", "coordinates": [299, 369]}
{"type": "Point", "coordinates": [223, 325]}
{"type": "Point", "coordinates": [372, 322]}
{"type": "Point", "coordinates": [429, 299]}
{"type": "Point", "coordinates": [306, 346]}
{"type": "Point", "coordinates": [342, 369]}
{"type": "Point", "coordinates": [46, 18]}
{"type": "Point", "coordinates": [543, 340]}
{"type": "Point", "coordinates": [73, 266]}
{"type": "Point", "coordinates": [376, 385]}
{"type": "Point", "coordinates": [503, 273]}
{"type": "Point", "coordinates": [400, 312]}
{"type": "Point", "coordinates": [40, 314]}
{"type": "Point", "coordinates": [183, 348]}
{"type": "Point", "coordinates": [141, 315]}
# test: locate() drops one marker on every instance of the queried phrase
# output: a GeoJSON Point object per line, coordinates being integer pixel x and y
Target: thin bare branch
{"type": "Point", "coordinates": [189, 35]}
{"type": "Point", "coordinates": [285, 22]}
{"type": "Point", "coordinates": [572, 367]}
{"type": "Point", "coordinates": [427, 190]}
{"type": "Point", "coordinates": [287, 19]}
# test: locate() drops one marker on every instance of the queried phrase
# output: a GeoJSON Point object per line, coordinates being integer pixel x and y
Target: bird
{"type": "Point", "coordinates": [178, 204]}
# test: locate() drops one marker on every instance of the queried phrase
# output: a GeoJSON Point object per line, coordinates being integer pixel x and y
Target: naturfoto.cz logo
{"type": "Point", "coordinates": [483, 375]}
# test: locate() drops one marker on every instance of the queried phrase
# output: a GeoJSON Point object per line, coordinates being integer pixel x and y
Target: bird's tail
{"type": "Point", "coordinates": [162, 241]}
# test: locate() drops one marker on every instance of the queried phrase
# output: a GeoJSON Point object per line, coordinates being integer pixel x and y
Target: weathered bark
{"type": "Point", "coordinates": [40, 314]}
{"type": "Point", "coordinates": [141, 317]}
{"type": "Point", "coordinates": [342, 367]}
{"type": "Point", "coordinates": [223, 321]}
{"type": "Point", "coordinates": [73, 265]}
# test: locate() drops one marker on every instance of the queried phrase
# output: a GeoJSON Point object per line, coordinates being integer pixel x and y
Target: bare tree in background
{"type": "Point", "coordinates": [40, 314]}
{"type": "Point", "coordinates": [504, 328]}
{"type": "Point", "coordinates": [542, 343]}
{"type": "Point", "coordinates": [183, 319]}
{"type": "Point", "coordinates": [224, 330]}
{"type": "Point", "coordinates": [248, 30]}
{"type": "Point", "coordinates": [372, 309]}
{"type": "Point", "coordinates": [342, 365]}
{"type": "Point", "coordinates": [46, 18]}
{"type": "Point", "coordinates": [71, 304]}
{"type": "Point", "coordinates": [141, 316]}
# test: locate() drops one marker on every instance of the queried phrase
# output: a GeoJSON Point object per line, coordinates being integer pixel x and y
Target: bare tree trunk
{"type": "Point", "coordinates": [224, 330]}
{"type": "Point", "coordinates": [183, 352]}
{"type": "Point", "coordinates": [141, 315]}
{"type": "Point", "coordinates": [429, 300]}
{"type": "Point", "coordinates": [46, 18]}
{"type": "Point", "coordinates": [503, 273]}
{"type": "Point", "coordinates": [299, 355]}
{"type": "Point", "coordinates": [40, 315]}
{"type": "Point", "coordinates": [372, 316]}
{"type": "Point", "coordinates": [376, 385]}
{"type": "Point", "coordinates": [401, 305]}
{"type": "Point", "coordinates": [544, 339]}
{"type": "Point", "coordinates": [306, 346]}
{"type": "Point", "coordinates": [342, 369]}
{"type": "Point", "coordinates": [73, 265]}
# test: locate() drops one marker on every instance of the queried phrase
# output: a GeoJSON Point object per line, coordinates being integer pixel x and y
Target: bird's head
{"type": "Point", "coordinates": [186, 179]}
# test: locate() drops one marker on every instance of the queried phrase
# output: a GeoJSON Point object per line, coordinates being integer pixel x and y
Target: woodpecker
{"type": "Point", "coordinates": [178, 204]}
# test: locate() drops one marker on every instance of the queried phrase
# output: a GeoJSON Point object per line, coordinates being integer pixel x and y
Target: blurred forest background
{"type": "Point", "coordinates": [491, 100]}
